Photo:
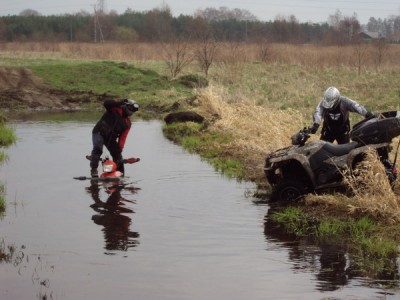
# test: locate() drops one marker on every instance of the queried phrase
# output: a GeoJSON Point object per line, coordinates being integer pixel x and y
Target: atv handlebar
{"type": "Point", "coordinates": [131, 160]}
{"type": "Point", "coordinates": [301, 137]}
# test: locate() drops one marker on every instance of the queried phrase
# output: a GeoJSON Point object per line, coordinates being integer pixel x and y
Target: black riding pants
{"type": "Point", "coordinates": [340, 137]}
{"type": "Point", "coordinates": [111, 145]}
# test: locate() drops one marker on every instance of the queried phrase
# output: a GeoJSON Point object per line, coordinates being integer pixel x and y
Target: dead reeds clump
{"type": "Point", "coordinates": [255, 130]}
{"type": "Point", "coordinates": [257, 127]}
{"type": "Point", "coordinates": [371, 192]}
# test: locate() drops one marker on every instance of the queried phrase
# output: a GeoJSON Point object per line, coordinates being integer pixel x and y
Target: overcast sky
{"type": "Point", "coordinates": [264, 10]}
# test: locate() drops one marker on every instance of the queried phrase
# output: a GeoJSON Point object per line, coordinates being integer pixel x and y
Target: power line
{"type": "Point", "coordinates": [331, 5]}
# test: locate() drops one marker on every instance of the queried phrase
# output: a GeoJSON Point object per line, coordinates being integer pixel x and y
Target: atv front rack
{"type": "Point", "coordinates": [279, 152]}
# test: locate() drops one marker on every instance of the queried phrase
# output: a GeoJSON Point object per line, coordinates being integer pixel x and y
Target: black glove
{"type": "Point", "coordinates": [313, 129]}
{"type": "Point", "coordinates": [369, 115]}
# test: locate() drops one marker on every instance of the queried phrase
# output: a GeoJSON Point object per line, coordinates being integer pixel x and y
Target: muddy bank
{"type": "Point", "coordinates": [20, 89]}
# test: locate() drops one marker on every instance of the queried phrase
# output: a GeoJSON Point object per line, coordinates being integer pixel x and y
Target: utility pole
{"type": "Point", "coordinates": [97, 25]}
{"type": "Point", "coordinates": [94, 23]}
{"type": "Point", "coordinates": [101, 6]}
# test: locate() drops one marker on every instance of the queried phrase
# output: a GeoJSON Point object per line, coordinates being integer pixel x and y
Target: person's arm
{"type": "Point", "coordinates": [122, 138]}
{"type": "Point", "coordinates": [317, 118]}
{"type": "Point", "coordinates": [354, 106]}
{"type": "Point", "coordinates": [109, 104]}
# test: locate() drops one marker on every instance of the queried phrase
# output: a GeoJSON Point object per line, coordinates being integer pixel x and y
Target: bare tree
{"type": "Point", "coordinates": [360, 53]}
{"type": "Point", "coordinates": [29, 13]}
{"type": "Point", "coordinates": [373, 24]}
{"type": "Point", "coordinates": [177, 56]}
{"type": "Point", "coordinates": [286, 29]}
{"type": "Point", "coordinates": [344, 28]}
{"type": "Point", "coordinates": [380, 48]}
{"type": "Point", "coordinates": [264, 51]}
{"type": "Point", "coordinates": [223, 13]}
{"type": "Point", "coordinates": [233, 54]}
{"type": "Point", "coordinates": [158, 24]}
{"type": "Point", "coordinates": [205, 53]}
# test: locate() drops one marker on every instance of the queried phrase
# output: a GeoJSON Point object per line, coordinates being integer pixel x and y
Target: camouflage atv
{"type": "Point", "coordinates": [318, 165]}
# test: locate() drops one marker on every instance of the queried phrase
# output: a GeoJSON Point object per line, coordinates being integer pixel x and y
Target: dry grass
{"type": "Point", "coordinates": [107, 51]}
{"type": "Point", "coordinates": [371, 193]}
{"type": "Point", "coordinates": [227, 53]}
{"type": "Point", "coordinates": [256, 130]}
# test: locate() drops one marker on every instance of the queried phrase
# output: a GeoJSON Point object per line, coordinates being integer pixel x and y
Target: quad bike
{"type": "Point", "coordinates": [318, 165]}
{"type": "Point", "coordinates": [109, 167]}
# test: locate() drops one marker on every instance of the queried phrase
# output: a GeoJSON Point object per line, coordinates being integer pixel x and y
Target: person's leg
{"type": "Point", "coordinates": [343, 138]}
{"type": "Point", "coordinates": [327, 136]}
{"type": "Point", "coordinates": [97, 151]}
{"type": "Point", "coordinates": [116, 154]}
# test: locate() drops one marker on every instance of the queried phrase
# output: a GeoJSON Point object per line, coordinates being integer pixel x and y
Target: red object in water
{"type": "Point", "coordinates": [110, 167]}
{"type": "Point", "coordinates": [112, 174]}
{"type": "Point", "coordinates": [110, 170]}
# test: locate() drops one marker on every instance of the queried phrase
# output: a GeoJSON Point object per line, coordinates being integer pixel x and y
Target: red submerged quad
{"type": "Point", "coordinates": [110, 172]}
{"type": "Point", "coordinates": [318, 165]}
{"type": "Point", "coordinates": [110, 169]}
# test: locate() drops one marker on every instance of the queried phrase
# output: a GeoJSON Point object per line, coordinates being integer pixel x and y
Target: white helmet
{"type": "Point", "coordinates": [331, 97]}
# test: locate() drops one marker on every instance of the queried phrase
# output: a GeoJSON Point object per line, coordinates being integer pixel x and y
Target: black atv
{"type": "Point", "coordinates": [318, 165]}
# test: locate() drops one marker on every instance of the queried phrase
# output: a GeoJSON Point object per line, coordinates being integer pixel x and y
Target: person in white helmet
{"type": "Point", "coordinates": [333, 111]}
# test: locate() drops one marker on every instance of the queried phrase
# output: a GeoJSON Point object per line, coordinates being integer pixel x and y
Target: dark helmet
{"type": "Point", "coordinates": [129, 107]}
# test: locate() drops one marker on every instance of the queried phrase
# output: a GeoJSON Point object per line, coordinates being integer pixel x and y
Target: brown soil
{"type": "Point", "coordinates": [19, 88]}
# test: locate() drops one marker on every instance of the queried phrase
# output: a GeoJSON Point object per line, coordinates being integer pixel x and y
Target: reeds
{"type": "Point", "coordinates": [370, 192]}
{"type": "Point", "coordinates": [2, 199]}
{"type": "Point", "coordinates": [255, 130]}
{"type": "Point", "coordinates": [310, 56]}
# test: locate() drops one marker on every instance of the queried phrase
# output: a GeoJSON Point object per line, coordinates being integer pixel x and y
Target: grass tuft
{"type": "Point", "coordinates": [294, 220]}
{"type": "Point", "coordinates": [371, 193]}
{"type": "Point", "coordinates": [7, 136]}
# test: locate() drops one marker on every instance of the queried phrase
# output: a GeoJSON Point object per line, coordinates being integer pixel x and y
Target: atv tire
{"type": "Point", "coordinates": [289, 190]}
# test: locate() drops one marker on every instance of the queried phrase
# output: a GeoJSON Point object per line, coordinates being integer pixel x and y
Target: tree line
{"type": "Point", "coordinates": [158, 25]}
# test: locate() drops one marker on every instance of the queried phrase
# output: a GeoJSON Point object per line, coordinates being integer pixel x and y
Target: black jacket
{"type": "Point", "coordinates": [114, 124]}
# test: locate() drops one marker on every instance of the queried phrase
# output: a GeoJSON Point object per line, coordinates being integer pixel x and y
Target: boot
{"type": "Point", "coordinates": [94, 173]}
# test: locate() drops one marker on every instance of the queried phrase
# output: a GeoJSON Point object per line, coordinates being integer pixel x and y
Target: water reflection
{"type": "Point", "coordinates": [112, 213]}
{"type": "Point", "coordinates": [330, 262]}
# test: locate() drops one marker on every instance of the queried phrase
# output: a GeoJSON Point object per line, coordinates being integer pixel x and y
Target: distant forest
{"type": "Point", "coordinates": [158, 25]}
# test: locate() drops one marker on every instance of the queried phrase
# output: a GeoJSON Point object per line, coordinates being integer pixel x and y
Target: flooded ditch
{"type": "Point", "coordinates": [173, 229]}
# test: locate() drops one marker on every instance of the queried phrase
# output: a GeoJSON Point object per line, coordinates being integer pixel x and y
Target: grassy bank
{"type": "Point", "coordinates": [372, 251]}
{"type": "Point", "coordinates": [7, 137]}
{"type": "Point", "coordinates": [100, 79]}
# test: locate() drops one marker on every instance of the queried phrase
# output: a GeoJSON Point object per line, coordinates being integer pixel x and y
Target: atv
{"type": "Point", "coordinates": [318, 165]}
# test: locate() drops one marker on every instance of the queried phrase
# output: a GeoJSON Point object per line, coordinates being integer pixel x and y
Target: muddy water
{"type": "Point", "coordinates": [174, 229]}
